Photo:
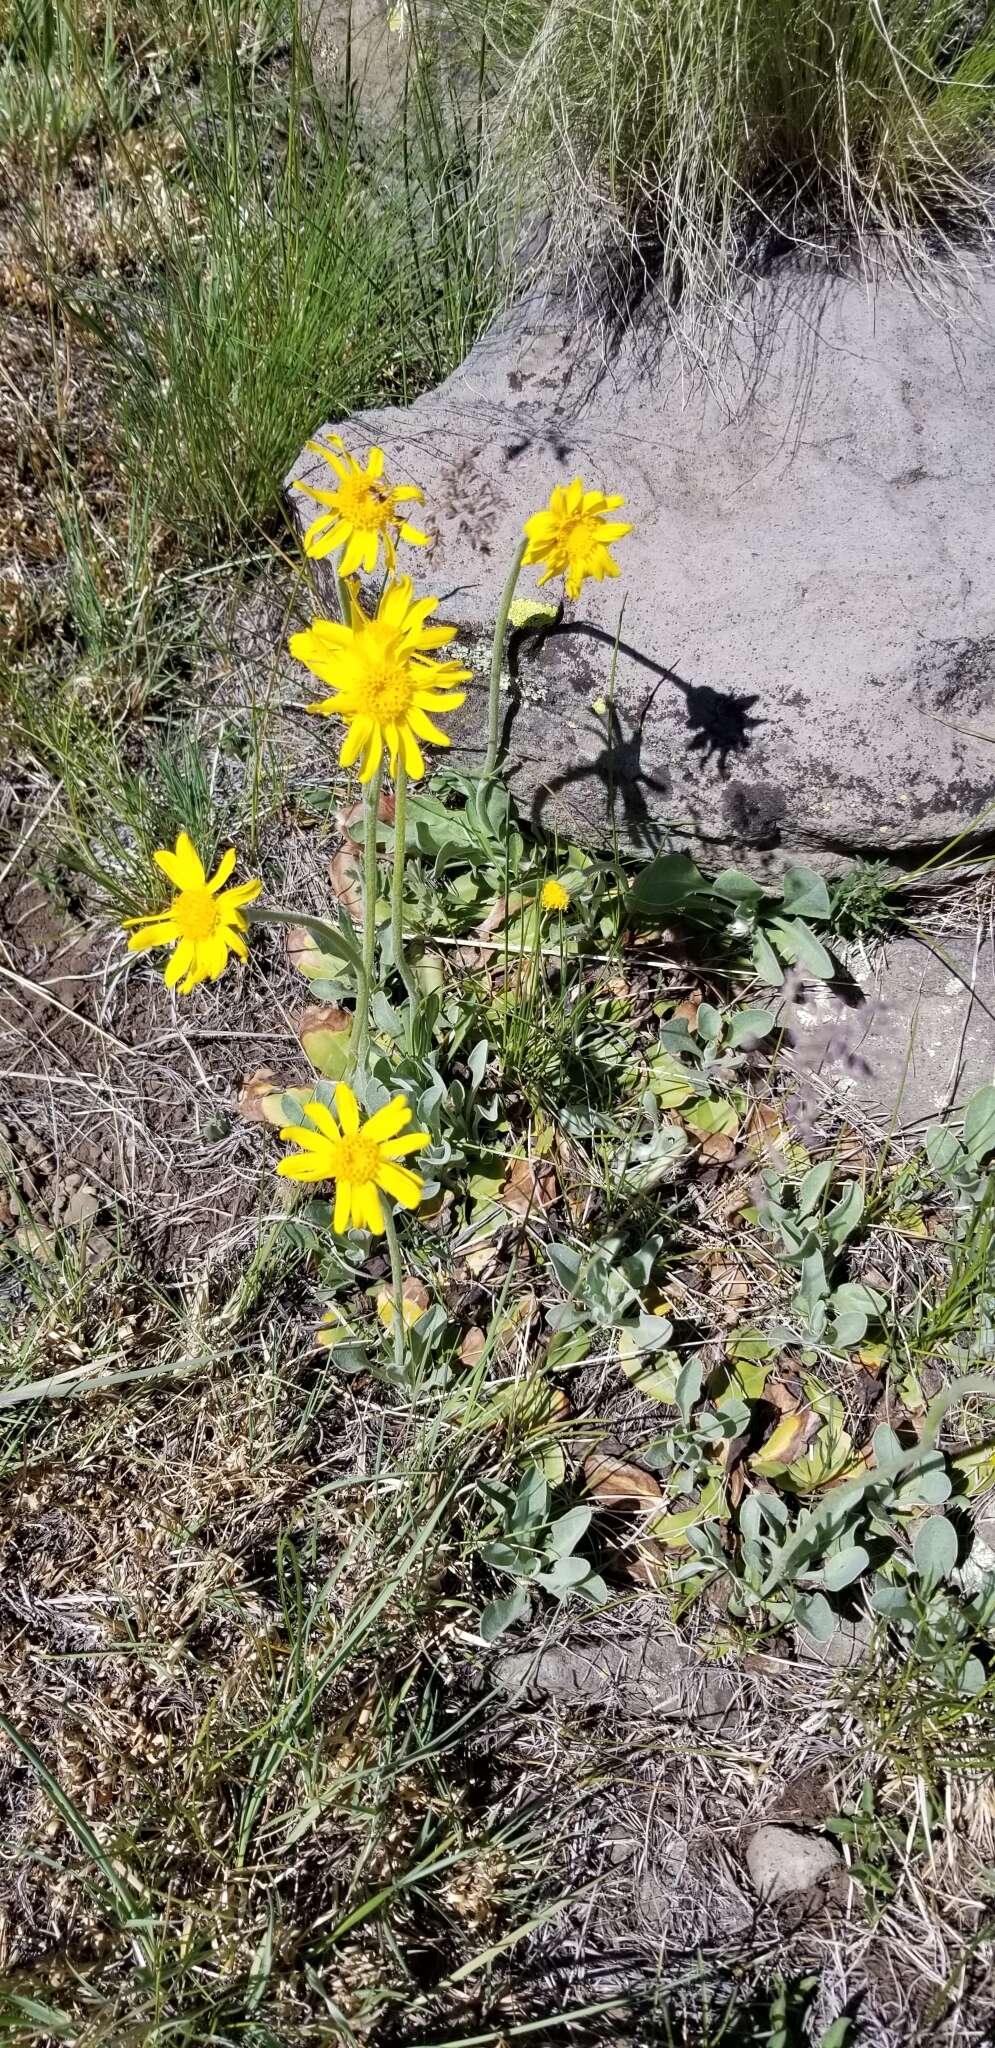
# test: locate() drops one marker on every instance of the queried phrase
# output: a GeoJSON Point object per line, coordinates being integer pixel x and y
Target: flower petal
{"type": "Point", "coordinates": [158, 932]}
{"type": "Point", "coordinates": [319, 1114]}
{"type": "Point", "coordinates": [348, 1109]}
{"type": "Point", "coordinates": [400, 1182]}
{"type": "Point", "coordinates": [309, 1166]}
{"type": "Point", "coordinates": [183, 866]}
{"type": "Point", "coordinates": [340, 1220]}
{"type": "Point", "coordinates": [222, 871]}
{"type": "Point", "coordinates": [412, 1141]}
{"type": "Point", "coordinates": [179, 962]}
{"type": "Point", "coordinates": [386, 1122]}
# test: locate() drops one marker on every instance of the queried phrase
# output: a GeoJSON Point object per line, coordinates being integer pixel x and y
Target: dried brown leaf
{"type": "Point", "coordinates": [615, 1483]}
{"type": "Point", "coordinates": [529, 1187]}
{"type": "Point", "coordinates": [253, 1094]}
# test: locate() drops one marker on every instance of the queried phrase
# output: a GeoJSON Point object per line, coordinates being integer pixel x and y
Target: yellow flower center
{"type": "Point", "coordinates": [195, 914]}
{"type": "Point", "coordinates": [578, 536]}
{"type": "Point", "coordinates": [357, 1159]}
{"type": "Point", "coordinates": [554, 896]}
{"type": "Point", "coordinates": [363, 505]}
{"type": "Point", "coordinates": [386, 689]}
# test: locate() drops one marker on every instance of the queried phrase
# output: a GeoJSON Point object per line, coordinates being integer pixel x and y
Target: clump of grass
{"type": "Point", "coordinates": [687, 132]}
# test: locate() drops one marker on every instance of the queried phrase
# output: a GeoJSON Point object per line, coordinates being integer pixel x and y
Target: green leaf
{"type": "Point", "coordinates": [503, 1613]}
{"type": "Point", "coordinates": [843, 1218]}
{"type": "Point", "coordinates": [797, 943]}
{"type": "Point", "coordinates": [979, 1123]}
{"type": "Point", "coordinates": [804, 894]}
{"type": "Point", "coordinates": [747, 1027]}
{"type": "Point", "coordinates": [328, 1050]}
{"type": "Point", "coordinates": [669, 1080]}
{"type": "Point", "coordinates": [765, 961]}
{"type": "Point", "coordinates": [733, 885]}
{"type": "Point", "coordinates": [665, 886]}
{"type": "Point", "coordinates": [652, 1373]}
{"type": "Point", "coordinates": [568, 1529]}
{"type": "Point", "coordinates": [934, 1548]}
{"type": "Point", "coordinates": [844, 1566]}
{"type": "Point", "coordinates": [813, 1186]}
{"type": "Point", "coordinates": [713, 1117]}
{"type": "Point", "coordinates": [689, 1385]}
{"type": "Point", "coordinates": [709, 1024]}
{"type": "Point", "coordinates": [563, 1574]}
{"type": "Point", "coordinates": [813, 1612]}
{"type": "Point", "coordinates": [943, 1150]}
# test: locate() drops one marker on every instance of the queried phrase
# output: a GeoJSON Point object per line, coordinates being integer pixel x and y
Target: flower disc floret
{"type": "Point", "coordinates": [362, 514]}
{"type": "Point", "coordinates": [554, 896]}
{"type": "Point", "coordinates": [571, 536]}
{"type": "Point", "coordinates": [203, 923]}
{"type": "Point", "coordinates": [361, 1159]}
{"type": "Point", "coordinates": [384, 679]}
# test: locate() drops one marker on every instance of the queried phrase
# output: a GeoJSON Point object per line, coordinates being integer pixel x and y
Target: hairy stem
{"type": "Point", "coordinates": [397, 1284]}
{"type": "Point", "coordinates": [397, 884]}
{"type": "Point", "coordinates": [342, 591]}
{"type": "Point", "coordinates": [500, 628]}
{"type": "Point", "coordinates": [361, 1028]}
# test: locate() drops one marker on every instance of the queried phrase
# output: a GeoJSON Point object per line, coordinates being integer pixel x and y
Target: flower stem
{"type": "Point", "coordinates": [361, 1028]}
{"type": "Point", "coordinates": [397, 884]}
{"type": "Point", "coordinates": [500, 628]}
{"type": "Point", "coordinates": [342, 591]}
{"type": "Point", "coordinates": [396, 1285]}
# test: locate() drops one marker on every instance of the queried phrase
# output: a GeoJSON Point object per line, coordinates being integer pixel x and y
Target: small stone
{"type": "Point", "coordinates": [782, 1861]}
{"type": "Point", "coordinates": [847, 1646]}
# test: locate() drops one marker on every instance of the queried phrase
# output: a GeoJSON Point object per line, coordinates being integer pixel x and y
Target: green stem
{"type": "Point", "coordinates": [397, 1286]}
{"type": "Point", "coordinates": [397, 884]}
{"type": "Point", "coordinates": [342, 591]}
{"type": "Point", "coordinates": [500, 628]}
{"type": "Point", "coordinates": [361, 1028]}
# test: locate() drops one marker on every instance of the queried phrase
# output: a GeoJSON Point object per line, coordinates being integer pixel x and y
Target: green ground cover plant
{"type": "Point", "coordinates": [643, 1359]}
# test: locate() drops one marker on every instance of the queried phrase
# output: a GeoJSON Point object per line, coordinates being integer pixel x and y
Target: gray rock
{"type": "Point", "coordinates": [846, 1648]}
{"type": "Point", "coordinates": [638, 1675]}
{"type": "Point", "coordinates": [913, 1036]}
{"type": "Point", "coordinates": [369, 50]}
{"type": "Point", "coordinates": [783, 1861]}
{"type": "Point", "coordinates": [806, 610]}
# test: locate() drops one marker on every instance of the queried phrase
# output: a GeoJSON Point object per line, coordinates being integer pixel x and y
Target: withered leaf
{"type": "Point", "coordinates": [346, 879]}
{"type": "Point", "coordinates": [253, 1094]}
{"type": "Point", "coordinates": [615, 1483]}
{"type": "Point", "coordinates": [529, 1187]}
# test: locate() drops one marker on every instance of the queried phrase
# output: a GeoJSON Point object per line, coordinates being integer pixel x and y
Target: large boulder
{"type": "Point", "coordinates": [805, 619]}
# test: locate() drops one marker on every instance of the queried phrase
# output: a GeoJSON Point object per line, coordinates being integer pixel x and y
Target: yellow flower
{"type": "Point", "coordinates": [362, 513]}
{"type": "Point", "coordinates": [554, 896]}
{"type": "Point", "coordinates": [360, 1158]}
{"type": "Point", "coordinates": [201, 925]}
{"type": "Point", "coordinates": [386, 686]}
{"type": "Point", "coordinates": [572, 535]}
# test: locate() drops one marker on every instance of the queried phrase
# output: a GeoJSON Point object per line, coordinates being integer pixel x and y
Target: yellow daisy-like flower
{"type": "Point", "coordinates": [360, 1158]}
{"type": "Point", "coordinates": [386, 686]}
{"type": "Point", "coordinates": [554, 896]}
{"type": "Point", "coordinates": [204, 921]}
{"type": "Point", "coordinates": [572, 536]}
{"type": "Point", "coordinates": [362, 514]}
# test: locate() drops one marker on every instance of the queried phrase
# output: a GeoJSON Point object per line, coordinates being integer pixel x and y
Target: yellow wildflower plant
{"type": "Point", "coordinates": [571, 536]}
{"type": "Point", "coordinates": [386, 683]}
{"type": "Point", "coordinates": [362, 1159]}
{"type": "Point", "coordinates": [203, 923]}
{"type": "Point", "coordinates": [553, 896]}
{"type": "Point", "coordinates": [362, 515]}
